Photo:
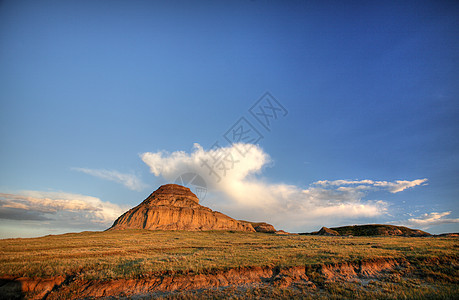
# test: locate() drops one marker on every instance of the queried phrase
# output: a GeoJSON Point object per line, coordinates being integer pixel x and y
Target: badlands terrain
{"type": "Point", "coordinates": [171, 247]}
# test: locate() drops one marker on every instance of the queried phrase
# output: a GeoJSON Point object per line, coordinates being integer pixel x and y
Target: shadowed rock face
{"type": "Point", "coordinates": [175, 207]}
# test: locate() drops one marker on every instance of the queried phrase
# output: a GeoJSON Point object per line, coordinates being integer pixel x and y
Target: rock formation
{"type": "Point", "coordinates": [327, 231]}
{"type": "Point", "coordinates": [175, 207]}
{"type": "Point", "coordinates": [261, 226]}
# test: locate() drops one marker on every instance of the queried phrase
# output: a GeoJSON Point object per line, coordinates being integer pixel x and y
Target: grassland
{"type": "Point", "coordinates": [129, 254]}
{"type": "Point", "coordinates": [133, 254]}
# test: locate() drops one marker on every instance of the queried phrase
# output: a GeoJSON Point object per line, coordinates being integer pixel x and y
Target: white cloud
{"type": "Point", "coordinates": [58, 207]}
{"type": "Point", "coordinates": [343, 182]}
{"type": "Point", "coordinates": [130, 181]}
{"type": "Point", "coordinates": [393, 187]}
{"type": "Point", "coordinates": [431, 219]}
{"type": "Point", "coordinates": [400, 185]}
{"type": "Point", "coordinates": [243, 194]}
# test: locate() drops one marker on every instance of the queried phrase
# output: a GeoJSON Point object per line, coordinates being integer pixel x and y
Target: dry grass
{"type": "Point", "coordinates": [138, 253]}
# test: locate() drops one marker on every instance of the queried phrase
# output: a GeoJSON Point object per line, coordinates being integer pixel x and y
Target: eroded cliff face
{"type": "Point", "coordinates": [312, 279]}
{"type": "Point", "coordinates": [175, 207]}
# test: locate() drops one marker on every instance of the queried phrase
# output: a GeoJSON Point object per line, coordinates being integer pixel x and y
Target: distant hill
{"type": "Point", "coordinates": [372, 230]}
{"type": "Point", "coordinates": [451, 234]}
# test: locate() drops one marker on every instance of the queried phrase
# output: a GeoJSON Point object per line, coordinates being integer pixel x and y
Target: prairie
{"type": "Point", "coordinates": [423, 266]}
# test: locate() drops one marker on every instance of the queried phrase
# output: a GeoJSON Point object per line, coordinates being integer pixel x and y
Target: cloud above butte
{"type": "Point", "coordinates": [238, 188]}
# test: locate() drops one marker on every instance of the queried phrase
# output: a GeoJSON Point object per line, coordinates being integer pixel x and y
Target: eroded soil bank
{"type": "Point", "coordinates": [311, 278]}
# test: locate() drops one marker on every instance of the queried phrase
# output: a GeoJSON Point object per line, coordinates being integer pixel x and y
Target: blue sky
{"type": "Point", "coordinates": [95, 95]}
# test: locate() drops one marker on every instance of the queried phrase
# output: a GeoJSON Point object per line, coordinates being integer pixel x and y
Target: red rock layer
{"type": "Point", "coordinates": [175, 207]}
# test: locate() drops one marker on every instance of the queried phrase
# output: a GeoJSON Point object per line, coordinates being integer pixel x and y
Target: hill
{"type": "Point", "coordinates": [370, 230]}
{"type": "Point", "coordinates": [379, 230]}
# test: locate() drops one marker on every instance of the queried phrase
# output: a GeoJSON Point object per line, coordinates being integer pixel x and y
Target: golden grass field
{"type": "Point", "coordinates": [131, 254]}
